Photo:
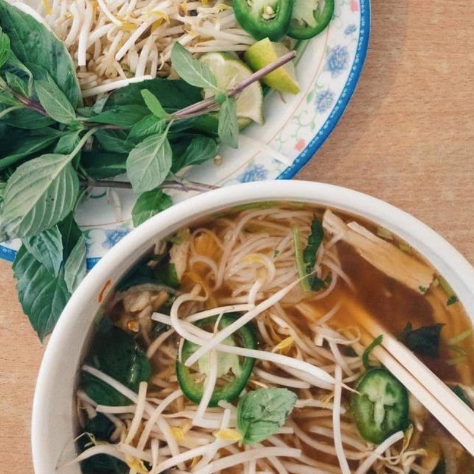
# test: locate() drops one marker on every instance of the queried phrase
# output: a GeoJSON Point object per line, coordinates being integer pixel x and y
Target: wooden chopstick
{"type": "Point", "coordinates": [424, 385]}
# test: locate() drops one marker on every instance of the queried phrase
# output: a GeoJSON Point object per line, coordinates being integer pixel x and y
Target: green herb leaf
{"type": "Point", "coordinates": [42, 295]}
{"type": "Point", "coordinates": [54, 101]}
{"type": "Point", "coordinates": [149, 163]}
{"type": "Point", "coordinates": [173, 95]}
{"type": "Point", "coordinates": [112, 140]}
{"type": "Point", "coordinates": [17, 84]}
{"type": "Point", "coordinates": [7, 99]}
{"type": "Point", "coordinates": [68, 142]}
{"type": "Point", "coordinates": [200, 149]}
{"type": "Point", "coordinates": [39, 194]}
{"type": "Point", "coordinates": [146, 127]}
{"type": "Point", "coordinates": [117, 354]}
{"type": "Point", "coordinates": [70, 234]}
{"type": "Point", "coordinates": [103, 164]}
{"type": "Point", "coordinates": [457, 389]}
{"type": "Point", "coordinates": [75, 266]}
{"type": "Point", "coordinates": [150, 204]}
{"type": "Point", "coordinates": [35, 45]}
{"type": "Point", "coordinates": [124, 116]}
{"type": "Point", "coordinates": [47, 248]}
{"type": "Point", "coordinates": [153, 104]}
{"type": "Point", "coordinates": [4, 48]}
{"type": "Point", "coordinates": [192, 70]}
{"type": "Point", "coordinates": [365, 356]}
{"type": "Point", "coordinates": [228, 123]}
{"type": "Point", "coordinates": [423, 341]}
{"type": "Point", "coordinates": [28, 119]}
{"type": "Point", "coordinates": [310, 254]}
{"type": "Point", "coordinates": [262, 413]}
{"type": "Point", "coordinates": [22, 145]}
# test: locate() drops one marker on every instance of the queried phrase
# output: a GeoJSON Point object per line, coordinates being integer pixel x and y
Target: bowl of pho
{"type": "Point", "coordinates": [234, 333]}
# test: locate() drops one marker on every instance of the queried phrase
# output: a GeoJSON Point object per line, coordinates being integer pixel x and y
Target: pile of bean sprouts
{"type": "Point", "coordinates": [115, 42]}
{"type": "Point", "coordinates": [245, 262]}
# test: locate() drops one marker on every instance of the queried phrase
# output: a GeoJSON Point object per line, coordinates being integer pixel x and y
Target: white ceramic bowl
{"type": "Point", "coordinates": [53, 411]}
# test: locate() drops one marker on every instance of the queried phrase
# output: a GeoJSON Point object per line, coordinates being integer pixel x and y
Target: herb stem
{"type": "Point", "coordinates": [83, 142]}
{"type": "Point", "coordinates": [260, 74]}
{"type": "Point", "coordinates": [200, 107]}
{"type": "Point", "coordinates": [179, 184]}
{"type": "Point", "coordinates": [11, 109]}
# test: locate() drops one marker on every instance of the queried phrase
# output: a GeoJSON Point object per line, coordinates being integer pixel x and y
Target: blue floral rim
{"type": "Point", "coordinates": [342, 103]}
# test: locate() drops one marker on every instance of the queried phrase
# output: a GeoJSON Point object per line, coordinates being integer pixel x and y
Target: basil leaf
{"type": "Point", "coordinates": [75, 266]}
{"type": "Point", "coordinates": [150, 204]}
{"type": "Point", "coordinates": [149, 163]}
{"type": "Point", "coordinates": [16, 68]}
{"type": "Point", "coordinates": [310, 254]}
{"type": "Point", "coordinates": [192, 70]}
{"type": "Point", "coordinates": [117, 354]}
{"type": "Point", "coordinates": [68, 142]}
{"type": "Point", "coordinates": [228, 129]}
{"type": "Point", "coordinates": [262, 413]}
{"type": "Point", "coordinates": [423, 341]}
{"type": "Point", "coordinates": [149, 125]}
{"type": "Point", "coordinates": [7, 99]}
{"type": "Point", "coordinates": [47, 248]}
{"type": "Point", "coordinates": [28, 119]}
{"type": "Point", "coordinates": [102, 164]}
{"type": "Point", "coordinates": [199, 150]}
{"type": "Point", "coordinates": [153, 104]}
{"type": "Point", "coordinates": [17, 84]}
{"type": "Point", "coordinates": [457, 389]}
{"type": "Point", "coordinates": [42, 295]}
{"type": "Point", "coordinates": [173, 95]}
{"type": "Point", "coordinates": [112, 140]}
{"type": "Point", "coordinates": [4, 48]}
{"type": "Point", "coordinates": [123, 115]}
{"type": "Point", "coordinates": [39, 194]}
{"type": "Point", "coordinates": [33, 43]}
{"type": "Point", "coordinates": [54, 101]}
{"type": "Point", "coordinates": [21, 145]}
{"type": "Point", "coordinates": [70, 234]}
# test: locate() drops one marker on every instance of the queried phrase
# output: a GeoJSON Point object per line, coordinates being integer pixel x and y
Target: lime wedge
{"type": "Point", "coordinates": [265, 52]}
{"type": "Point", "coordinates": [229, 72]}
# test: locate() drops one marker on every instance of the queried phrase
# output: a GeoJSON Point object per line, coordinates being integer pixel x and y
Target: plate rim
{"type": "Point", "coordinates": [8, 254]}
{"type": "Point", "coordinates": [345, 97]}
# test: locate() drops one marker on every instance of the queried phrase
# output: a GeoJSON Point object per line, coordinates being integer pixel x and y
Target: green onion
{"type": "Point", "coordinates": [452, 297]}
{"type": "Point", "coordinates": [384, 233]}
{"type": "Point", "coordinates": [300, 264]}
{"type": "Point", "coordinates": [460, 337]}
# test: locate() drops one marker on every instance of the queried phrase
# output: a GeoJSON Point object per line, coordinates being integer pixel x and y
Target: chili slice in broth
{"type": "Point", "coordinates": [233, 370]}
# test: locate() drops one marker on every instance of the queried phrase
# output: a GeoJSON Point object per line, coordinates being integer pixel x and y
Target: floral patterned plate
{"type": "Point", "coordinates": [296, 127]}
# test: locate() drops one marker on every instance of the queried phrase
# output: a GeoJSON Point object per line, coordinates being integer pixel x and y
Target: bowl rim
{"type": "Point", "coordinates": [441, 254]}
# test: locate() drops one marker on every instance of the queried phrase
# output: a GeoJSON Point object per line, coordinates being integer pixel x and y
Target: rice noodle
{"type": "Point", "coordinates": [367, 464]}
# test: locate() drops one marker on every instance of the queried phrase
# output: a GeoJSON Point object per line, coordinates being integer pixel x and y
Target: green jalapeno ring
{"type": "Point", "coordinates": [300, 29]}
{"type": "Point", "coordinates": [264, 18]}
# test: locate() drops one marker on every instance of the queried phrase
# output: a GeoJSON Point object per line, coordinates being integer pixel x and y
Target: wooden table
{"type": "Point", "coordinates": [407, 138]}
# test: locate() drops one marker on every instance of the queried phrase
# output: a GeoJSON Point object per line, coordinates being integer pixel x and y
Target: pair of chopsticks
{"type": "Point", "coordinates": [424, 385]}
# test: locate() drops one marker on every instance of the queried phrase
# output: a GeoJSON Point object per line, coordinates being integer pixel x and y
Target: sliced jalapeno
{"type": "Point", "coordinates": [264, 18]}
{"type": "Point", "coordinates": [310, 17]}
{"type": "Point", "coordinates": [232, 373]}
{"type": "Point", "coordinates": [380, 406]}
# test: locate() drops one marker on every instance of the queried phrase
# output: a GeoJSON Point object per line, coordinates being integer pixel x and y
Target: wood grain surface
{"type": "Point", "coordinates": [407, 138]}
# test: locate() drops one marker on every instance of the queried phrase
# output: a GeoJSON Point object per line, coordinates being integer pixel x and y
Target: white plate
{"type": "Point", "coordinates": [296, 127]}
